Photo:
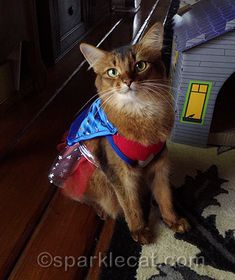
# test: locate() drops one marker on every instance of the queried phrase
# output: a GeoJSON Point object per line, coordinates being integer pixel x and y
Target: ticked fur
{"type": "Point", "coordinates": [132, 84]}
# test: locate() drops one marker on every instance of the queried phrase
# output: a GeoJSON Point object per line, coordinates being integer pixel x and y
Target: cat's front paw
{"type": "Point", "coordinates": [180, 226]}
{"type": "Point", "coordinates": [143, 236]}
{"type": "Point", "coordinates": [100, 212]}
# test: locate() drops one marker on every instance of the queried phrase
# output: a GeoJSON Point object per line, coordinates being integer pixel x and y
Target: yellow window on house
{"type": "Point", "coordinates": [196, 102]}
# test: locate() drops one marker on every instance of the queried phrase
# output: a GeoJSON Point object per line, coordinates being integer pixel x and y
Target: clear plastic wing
{"type": "Point", "coordinates": [66, 162]}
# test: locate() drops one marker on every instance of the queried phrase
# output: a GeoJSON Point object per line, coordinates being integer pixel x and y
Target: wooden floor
{"type": "Point", "coordinates": [37, 222]}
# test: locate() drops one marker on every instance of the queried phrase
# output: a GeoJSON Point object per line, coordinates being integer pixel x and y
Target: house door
{"type": "Point", "coordinates": [222, 130]}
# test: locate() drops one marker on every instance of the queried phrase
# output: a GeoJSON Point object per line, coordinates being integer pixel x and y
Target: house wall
{"type": "Point", "coordinates": [211, 62]}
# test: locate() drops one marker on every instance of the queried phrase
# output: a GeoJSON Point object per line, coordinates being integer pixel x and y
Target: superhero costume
{"type": "Point", "coordinates": [77, 161]}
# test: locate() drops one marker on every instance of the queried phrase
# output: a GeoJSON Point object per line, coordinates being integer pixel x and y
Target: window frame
{"type": "Point", "coordinates": [187, 99]}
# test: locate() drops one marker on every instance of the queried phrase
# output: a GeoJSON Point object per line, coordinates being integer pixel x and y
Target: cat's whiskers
{"type": "Point", "coordinates": [87, 103]}
{"type": "Point", "coordinates": [108, 92]}
{"type": "Point", "coordinates": [158, 87]}
{"type": "Point", "coordinates": [104, 93]}
{"type": "Point", "coordinates": [152, 105]}
{"type": "Point", "coordinates": [151, 91]}
{"type": "Point", "coordinates": [109, 99]}
{"type": "Point", "coordinates": [157, 90]}
{"type": "Point", "coordinates": [140, 86]}
{"type": "Point", "coordinates": [165, 88]}
{"type": "Point", "coordinates": [105, 103]}
{"type": "Point", "coordinates": [149, 88]}
{"type": "Point", "coordinates": [128, 102]}
{"type": "Point", "coordinates": [159, 82]}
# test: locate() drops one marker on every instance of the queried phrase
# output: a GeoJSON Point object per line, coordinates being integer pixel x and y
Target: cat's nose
{"type": "Point", "coordinates": [128, 82]}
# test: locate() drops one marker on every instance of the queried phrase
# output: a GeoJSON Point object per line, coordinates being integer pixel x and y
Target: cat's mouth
{"type": "Point", "coordinates": [128, 89]}
{"type": "Point", "coordinates": [126, 95]}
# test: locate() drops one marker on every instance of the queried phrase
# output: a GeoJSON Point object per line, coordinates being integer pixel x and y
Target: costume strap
{"type": "Point", "coordinates": [130, 161]}
{"type": "Point", "coordinates": [119, 152]}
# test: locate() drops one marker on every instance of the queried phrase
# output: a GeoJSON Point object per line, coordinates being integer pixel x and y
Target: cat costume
{"type": "Point", "coordinates": [77, 159]}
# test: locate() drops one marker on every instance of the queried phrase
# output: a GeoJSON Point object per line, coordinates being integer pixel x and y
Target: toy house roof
{"type": "Point", "coordinates": [206, 20]}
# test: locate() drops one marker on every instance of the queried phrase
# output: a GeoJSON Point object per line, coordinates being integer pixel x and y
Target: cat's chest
{"type": "Point", "coordinates": [143, 130]}
{"type": "Point", "coordinates": [140, 126]}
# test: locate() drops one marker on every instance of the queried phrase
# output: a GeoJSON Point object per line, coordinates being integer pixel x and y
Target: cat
{"type": "Point", "coordinates": [134, 92]}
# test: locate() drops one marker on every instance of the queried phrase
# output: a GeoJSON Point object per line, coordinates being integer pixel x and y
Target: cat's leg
{"type": "Point", "coordinates": [110, 198]}
{"type": "Point", "coordinates": [127, 191]}
{"type": "Point", "coordinates": [99, 194]}
{"type": "Point", "coordinates": [102, 197]}
{"type": "Point", "coordinates": [163, 195]}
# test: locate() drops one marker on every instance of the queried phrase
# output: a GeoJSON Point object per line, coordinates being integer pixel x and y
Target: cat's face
{"type": "Point", "coordinates": [130, 77]}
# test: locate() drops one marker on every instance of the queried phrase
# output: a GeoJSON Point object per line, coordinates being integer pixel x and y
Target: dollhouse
{"type": "Point", "coordinates": [203, 59]}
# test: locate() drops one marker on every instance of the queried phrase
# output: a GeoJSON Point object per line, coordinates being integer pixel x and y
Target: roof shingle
{"type": "Point", "coordinates": [206, 20]}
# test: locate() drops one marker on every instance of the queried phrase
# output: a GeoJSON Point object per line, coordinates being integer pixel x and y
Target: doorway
{"type": "Point", "coordinates": [222, 130]}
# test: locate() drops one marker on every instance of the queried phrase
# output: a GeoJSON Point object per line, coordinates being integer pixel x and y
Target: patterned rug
{"type": "Point", "coordinates": [204, 184]}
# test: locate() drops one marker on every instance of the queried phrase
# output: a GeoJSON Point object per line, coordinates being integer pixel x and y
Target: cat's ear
{"type": "Point", "coordinates": [91, 53]}
{"type": "Point", "coordinates": [154, 37]}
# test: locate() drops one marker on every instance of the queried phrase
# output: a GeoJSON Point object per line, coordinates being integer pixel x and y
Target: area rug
{"type": "Point", "coordinates": [204, 183]}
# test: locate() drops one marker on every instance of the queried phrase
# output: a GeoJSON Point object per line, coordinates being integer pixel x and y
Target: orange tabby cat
{"type": "Point", "coordinates": [132, 84]}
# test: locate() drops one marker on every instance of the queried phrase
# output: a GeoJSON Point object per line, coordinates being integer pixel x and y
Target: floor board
{"type": "Point", "coordinates": [101, 249]}
{"type": "Point", "coordinates": [64, 236]}
{"type": "Point", "coordinates": [24, 185]}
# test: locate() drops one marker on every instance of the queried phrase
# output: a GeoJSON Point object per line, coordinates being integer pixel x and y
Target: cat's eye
{"type": "Point", "coordinates": [112, 72]}
{"type": "Point", "coordinates": [140, 66]}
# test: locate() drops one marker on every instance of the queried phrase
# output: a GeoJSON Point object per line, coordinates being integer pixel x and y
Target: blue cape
{"type": "Point", "coordinates": [90, 123]}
